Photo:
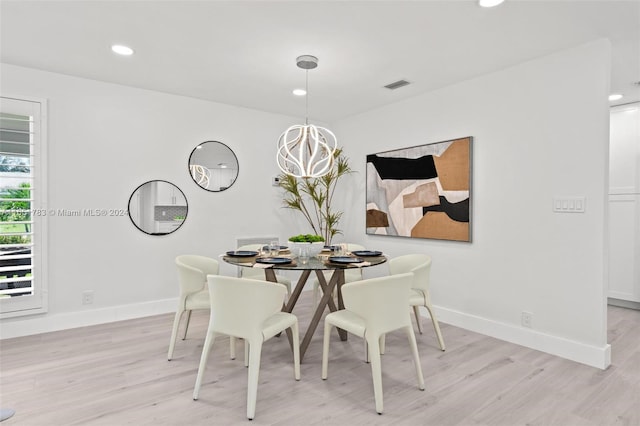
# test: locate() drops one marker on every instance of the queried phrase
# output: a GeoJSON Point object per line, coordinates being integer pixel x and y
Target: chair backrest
{"type": "Point", "coordinates": [354, 247]}
{"type": "Point", "coordinates": [239, 306]}
{"type": "Point", "coordinates": [419, 264]}
{"type": "Point", "coordinates": [353, 274]}
{"type": "Point", "coordinates": [253, 247]}
{"type": "Point", "coordinates": [382, 302]}
{"type": "Point", "coordinates": [193, 270]}
{"type": "Point", "coordinates": [253, 273]}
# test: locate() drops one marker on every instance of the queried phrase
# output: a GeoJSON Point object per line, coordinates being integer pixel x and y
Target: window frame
{"type": "Point", "coordinates": [38, 302]}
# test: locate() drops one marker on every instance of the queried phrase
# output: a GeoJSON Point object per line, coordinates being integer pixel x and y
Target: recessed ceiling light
{"type": "Point", "coordinates": [615, 97]}
{"type": "Point", "coordinates": [489, 3]}
{"type": "Point", "coordinates": [299, 92]}
{"type": "Point", "coordinates": [122, 50]}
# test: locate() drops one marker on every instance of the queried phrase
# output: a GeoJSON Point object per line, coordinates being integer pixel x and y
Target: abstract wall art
{"type": "Point", "coordinates": [421, 192]}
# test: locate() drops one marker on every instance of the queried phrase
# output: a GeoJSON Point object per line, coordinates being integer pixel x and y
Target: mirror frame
{"type": "Point", "coordinates": [203, 175]}
{"type": "Point", "coordinates": [139, 226]}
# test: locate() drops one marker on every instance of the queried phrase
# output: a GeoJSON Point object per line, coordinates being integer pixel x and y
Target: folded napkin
{"type": "Point", "coordinates": [263, 265]}
{"type": "Point", "coordinates": [361, 264]}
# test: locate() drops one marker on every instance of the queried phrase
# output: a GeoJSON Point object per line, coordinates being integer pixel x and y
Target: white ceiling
{"type": "Point", "coordinates": [243, 52]}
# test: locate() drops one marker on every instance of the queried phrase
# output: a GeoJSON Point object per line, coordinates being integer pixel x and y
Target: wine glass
{"type": "Point", "coordinates": [303, 256]}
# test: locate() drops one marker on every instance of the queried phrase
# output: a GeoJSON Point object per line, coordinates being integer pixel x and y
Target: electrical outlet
{"type": "Point", "coordinates": [87, 297]}
{"type": "Point", "coordinates": [526, 319]}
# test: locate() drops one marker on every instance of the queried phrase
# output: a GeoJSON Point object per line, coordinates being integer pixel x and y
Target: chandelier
{"type": "Point", "coordinates": [305, 150]}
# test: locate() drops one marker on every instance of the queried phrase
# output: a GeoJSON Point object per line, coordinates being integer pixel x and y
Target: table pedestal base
{"type": "Point", "coordinates": [336, 280]}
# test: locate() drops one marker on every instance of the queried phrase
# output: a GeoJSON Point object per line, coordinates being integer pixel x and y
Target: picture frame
{"type": "Point", "coordinates": [422, 191]}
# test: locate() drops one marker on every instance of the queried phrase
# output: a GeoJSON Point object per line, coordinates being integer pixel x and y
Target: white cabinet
{"type": "Point", "coordinates": [168, 195]}
{"type": "Point", "coordinates": [624, 203]}
{"type": "Point", "coordinates": [163, 227]}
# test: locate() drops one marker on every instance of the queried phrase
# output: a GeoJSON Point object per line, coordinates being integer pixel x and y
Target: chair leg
{"type": "Point", "coordinates": [208, 343]}
{"type": "Point", "coordinates": [416, 313]}
{"type": "Point", "coordinates": [325, 350]}
{"type": "Point", "coordinates": [382, 345]}
{"type": "Point", "coordinates": [254, 372]}
{"type": "Point", "coordinates": [174, 334]}
{"type": "Point", "coordinates": [186, 327]}
{"type": "Point", "coordinates": [436, 326]}
{"type": "Point", "coordinates": [246, 353]}
{"type": "Point", "coordinates": [296, 350]}
{"type": "Point", "coordinates": [416, 357]}
{"type": "Point", "coordinates": [376, 371]}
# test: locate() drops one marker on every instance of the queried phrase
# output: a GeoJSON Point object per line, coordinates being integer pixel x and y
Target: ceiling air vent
{"type": "Point", "coordinates": [397, 84]}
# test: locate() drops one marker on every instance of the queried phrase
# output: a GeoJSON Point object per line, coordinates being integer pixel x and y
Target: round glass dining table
{"type": "Point", "coordinates": [319, 265]}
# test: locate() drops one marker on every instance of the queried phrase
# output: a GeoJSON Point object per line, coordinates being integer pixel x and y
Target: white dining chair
{"type": "Point", "coordinates": [248, 309]}
{"type": "Point", "coordinates": [194, 294]}
{"type": "Point", "coordinates": [350, 275]}
{"type": "Point", "coordinates": [258, 273]}
{"type": "Point", "coordinates": [420, 265]}
{"type": "Point", "coordinates": [373, 308]}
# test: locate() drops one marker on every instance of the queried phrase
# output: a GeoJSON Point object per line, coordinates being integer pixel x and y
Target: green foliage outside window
{"type": "Point", "coordinates": [14, 209]}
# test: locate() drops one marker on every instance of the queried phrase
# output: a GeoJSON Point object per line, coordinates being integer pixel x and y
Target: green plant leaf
{"type": "Point", "coordinates": [313, 196]}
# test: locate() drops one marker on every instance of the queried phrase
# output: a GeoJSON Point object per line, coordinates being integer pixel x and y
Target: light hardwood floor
{"type": "Point", "coordinates": [118, 374]}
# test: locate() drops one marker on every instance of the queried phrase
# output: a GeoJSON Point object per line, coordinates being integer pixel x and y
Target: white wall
{"type": "Point", "coordinates": [540, 130]}
{"type": "Point", "coordinates": [104, 141]}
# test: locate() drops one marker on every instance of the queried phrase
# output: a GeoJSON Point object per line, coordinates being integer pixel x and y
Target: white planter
{"type": "Point", "coordinates": [314, 248]}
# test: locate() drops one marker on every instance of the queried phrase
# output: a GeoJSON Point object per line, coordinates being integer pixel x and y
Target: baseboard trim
{"type": "Point", "coordinates": [629, 304]}
{"type": "Point", "coordinates": [47, 322]}
{"type": "Point", "coordinates": [36, 324]}
{"type": "Point", "coordinates": [594, 356]}
{"type": "Point", "coordinates": [599, 357]}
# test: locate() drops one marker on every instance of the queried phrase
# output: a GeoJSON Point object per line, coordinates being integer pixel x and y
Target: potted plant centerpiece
{"type": "Point", "coordinates": [313, 243]}
{"type": "Point", "coordinates": [312, 197]}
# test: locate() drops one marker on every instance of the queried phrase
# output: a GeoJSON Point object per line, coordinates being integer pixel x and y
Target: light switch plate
{"type": "Point", "coordinates": [569, 204]}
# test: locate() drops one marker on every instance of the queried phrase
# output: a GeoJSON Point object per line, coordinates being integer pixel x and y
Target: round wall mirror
{"type": "Point", "coordinates": [158, 207]}
{"type": "Point", "coordinates": [213, 166]}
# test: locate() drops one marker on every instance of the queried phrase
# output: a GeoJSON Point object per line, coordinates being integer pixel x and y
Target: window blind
{"type": "Point", "coordinates": [22, 218]}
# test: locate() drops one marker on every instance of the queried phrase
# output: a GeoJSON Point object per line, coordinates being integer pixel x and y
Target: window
{"type": "Point", "coordinates": [22, 207]}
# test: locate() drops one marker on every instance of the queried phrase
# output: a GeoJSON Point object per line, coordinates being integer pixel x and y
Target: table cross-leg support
{"type": "Point", "coordinates": [322, 282]}
{"type": "Point", "coordinates": [293, 297]}
{"type": "Point", "coordinates": [325, 289]}
{"type": "Point", "coordinates": [338, 276]}
{"type": "Point", "coordinates": [297, 290]}
{"type": "Point", "coordinates": [337, 280]}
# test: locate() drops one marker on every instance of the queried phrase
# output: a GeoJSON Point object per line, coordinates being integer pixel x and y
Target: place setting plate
{"type": "Point", "coordinates": [345, 259]}
{"type": "Point", "coordinates": [242, 253]}
{"type": "Point", "coordinates": [274, 260]}
{"type": "Point", "coordinates": [367, 253]}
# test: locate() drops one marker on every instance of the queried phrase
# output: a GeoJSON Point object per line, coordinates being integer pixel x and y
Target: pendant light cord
{"type": "Point", "coordinates": [306, 98]}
